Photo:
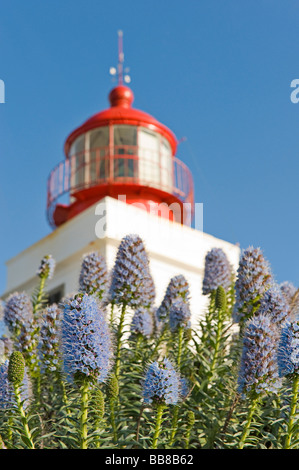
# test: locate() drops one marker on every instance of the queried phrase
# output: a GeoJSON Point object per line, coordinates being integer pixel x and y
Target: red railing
{"type": "Point", "coordinates": [122, 164]}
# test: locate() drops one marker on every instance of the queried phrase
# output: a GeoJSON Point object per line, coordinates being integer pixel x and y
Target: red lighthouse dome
{"type": "Point", "coordinates": [120, 151]}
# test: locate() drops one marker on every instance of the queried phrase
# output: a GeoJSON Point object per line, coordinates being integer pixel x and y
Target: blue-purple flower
{"type": "Point", "coordinates": [86, 341]}
{"type": "Point", "coordinates": [142, 322]}
{"type": "Point", "coordinates": [93, 276]}
{"type": "Point", "coordinates": [50, 339]}
{"type": "Point", "coordinates": [218, 271]}
{"type": "Point", "coordinates": [18, 309]}
{"type": "Point", "coordinates": [149, 290]}
{"type": "Point", "coordinates": [288, 349]}
{"type": "Point", "coordinates": [6, 389]}
{"type": "Point", "coordinates": [291, 295]}
{"type": "Point", "coordinates": [130, 275]}
{"type": "Point", "coordinates": [253, 279]}
{"type": "Point", "coordinates": [161, 384]}
{"type": "Point", "coordinates": [178, 287]}
{"type": "Point", "coordinates": [27, 343]}
{"type": "Point", "coordinates": [273, 303]}
{"type": "Point", "coordinates": [179, 315]}
{"type": "Point", "coordinates": [288, 290]}
{"type": "Point", "coordinates": [184, 388]}
{"type": "Point", "coordinates": [47, 267]}
{"type": "Point", "coordinates": [259, 369]}
{"type": "Point", "coordinates": [6, 347]}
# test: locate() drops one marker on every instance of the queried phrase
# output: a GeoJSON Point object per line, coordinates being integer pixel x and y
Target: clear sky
{"type": "Point", "coordinates": [216, 72]}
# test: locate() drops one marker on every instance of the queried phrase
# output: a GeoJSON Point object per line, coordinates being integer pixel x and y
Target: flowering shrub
{"type": "Point", "coordinates": [108, 368]}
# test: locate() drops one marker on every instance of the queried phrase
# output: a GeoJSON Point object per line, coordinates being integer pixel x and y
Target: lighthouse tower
{"type": "Point", "coordinates": [120, 175]}
{"type": "Point", "coordinates": [121, 151]}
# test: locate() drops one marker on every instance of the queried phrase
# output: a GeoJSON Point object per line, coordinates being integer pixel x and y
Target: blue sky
{"type": "Point", "coordinates": [215, 72]}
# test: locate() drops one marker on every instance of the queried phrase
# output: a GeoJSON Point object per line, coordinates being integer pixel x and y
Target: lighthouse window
{"type": "Point", "coordinates": [77, 155]}
{"type": "Point", "coordinates": [99, 138]}
{"type": "Point", "coordinates": [99, 155]}
{"type": "Point", "coordinates": [125, 143]}
{"type": "Point", "coordinates": [166, 164]}
{"type": "Point", "coordinates": [148, 145]}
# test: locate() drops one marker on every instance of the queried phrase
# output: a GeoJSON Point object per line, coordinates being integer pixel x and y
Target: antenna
{"type": "Point", "coordinates": [120, 72]}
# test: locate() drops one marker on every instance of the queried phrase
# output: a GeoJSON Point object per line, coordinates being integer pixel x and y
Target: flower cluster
{"type": "Point", "coordinates": [184, 388]}
{"type": "Point", "coordinates": [273, 303]}
{"type": "Point", "coordinates": [130, 282]}
{"type": "Point", "coordinates": [7, 398]}
{"type": "Point", "coordinates": [178, 287]}
{"type": "Point", "coordinates": [253, 279]}
{"type": "Point", "coordinates": [149, 290]}
{"type": "Point", "coordinates": [161, 384]}
{"type": "Point", "coordinates": [142, 322]}
{"type": "Point", "coordinates": [259, 369]}
{"type": "Point", "coordinates": [49, 342]}
{"type": "Point", "coordinates": [18, 309]}
{"type": "Point", "coordinates": [218, 271]}
{"type": "Point", "coordinates": [16, 368]}
{"type": "Point", "coordinates": [291, 295]}
{"type": "Point", "coordinates": [288, 290]}
{"type": "Point", "coordinates": [46, 268]}
{"type": "Point", "coordinates": [93, 276]}
{"type": "Point", "coordinates": [86, 341]}
{"type": "Point", "coordinates": [288, 349]}
{"type": "Point", "coordinates": [27, 344]}
{"type": "Point", "coordinates": [220, 298]}
{"type": "Point", "coordinates": [6, 347]}
{"type": "Point", "coordinates": [179, 315]}
{"type": "Point", "coordinates": [6, 389]}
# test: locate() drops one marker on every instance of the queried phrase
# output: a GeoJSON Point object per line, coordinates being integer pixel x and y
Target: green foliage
{"type": "Point", "coordinates": [210, 415]}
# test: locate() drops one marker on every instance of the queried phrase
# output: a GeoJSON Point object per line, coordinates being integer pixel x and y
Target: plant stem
{"type": "Point", "coordinates": [84, 414]}
{"type": "Point", "coordinates": [38, 301]}
{"type": "Point", "coordinates": [187, 439]}
{"type": "Point", "coordinates": [137, 346]}
{"type": "Point", "coordinates": [230, 413]}
{"type": "Point", "coordinates": [208, 319]}
{"type": "Point", "coordinates": [190, 423]}
{"type": "Point", "coordinates": [9, 429]}
{"type": "Point", "coordinates": [119, 338]}
{"type": "Point", "coordinates": [158, 343]}
{"type": "Point", "coordinates": [292, 414]}
{"type": "Point", "coordinates": [112, 315]}
{"type": "Point", "coordinates": [174, 424]}
{"type": "Point", "coordinates": [112, 418]}
{"type": "Point", "coordinates": [180, 346]}
{"type": "Point", "coordinates": [218, 342]}
{"type": "Point", "coordinates": [160, 409]}
{"type": "Point", "coordinates": [138, 422]}
{"type": "Point", "coordinates": [246, 429]}
{"type": "Point", "coordinates": [27, 432]}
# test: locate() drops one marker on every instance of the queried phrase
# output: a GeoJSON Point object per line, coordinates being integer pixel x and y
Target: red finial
{"type": "Point", "coordinates": [121, 96]}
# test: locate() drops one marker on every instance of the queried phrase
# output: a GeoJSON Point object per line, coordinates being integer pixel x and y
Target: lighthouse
{"type": "Point", "coordinates": [121, 151]}
{"type": "Point", "coordinates": [120, 175]}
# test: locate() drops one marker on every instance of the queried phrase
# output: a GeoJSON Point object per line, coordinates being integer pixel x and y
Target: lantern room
{"type": "Point", "coordinates": [120, 152]}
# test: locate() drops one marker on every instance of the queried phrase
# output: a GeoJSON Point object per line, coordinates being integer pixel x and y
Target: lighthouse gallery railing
{"type": "Point", "coordinates": [125, 165]}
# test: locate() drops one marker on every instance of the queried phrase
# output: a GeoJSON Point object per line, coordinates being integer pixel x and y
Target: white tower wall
{"type": "Point", "coordinates": [172, 248]}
